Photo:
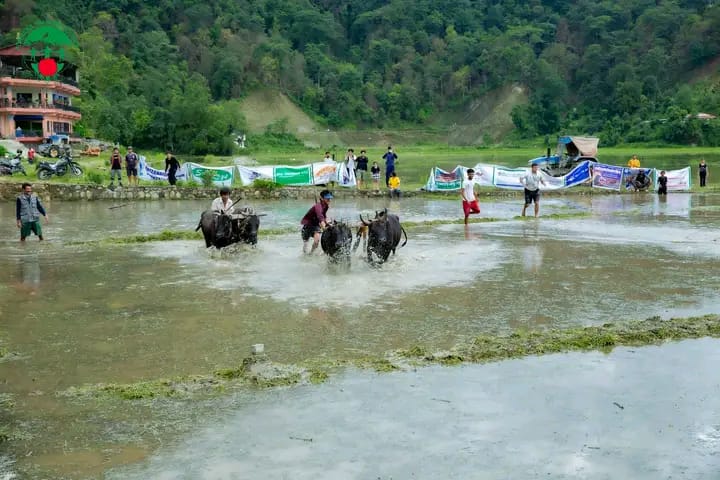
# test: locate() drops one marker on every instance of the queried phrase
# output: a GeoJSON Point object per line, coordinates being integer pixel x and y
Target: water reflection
{"type": "Point", "coordinates": [532, 257]}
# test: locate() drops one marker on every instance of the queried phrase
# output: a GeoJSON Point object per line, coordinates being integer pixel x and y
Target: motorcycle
{"type": "Point", "coordinates": [45, 170]}
{"type": "Point", "coordinates": [11, 166]}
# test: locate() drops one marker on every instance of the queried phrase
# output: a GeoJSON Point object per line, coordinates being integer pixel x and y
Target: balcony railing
{"type": "Point", "coordinates": [28, 133]}
{"type": "Point", "coordinates": [8, 103]}
{"type": "Point", "coordinates": [28, 75]}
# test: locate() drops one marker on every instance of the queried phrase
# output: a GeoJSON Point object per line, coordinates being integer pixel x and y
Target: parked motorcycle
{"type": "Point", "coordinates": [10, 166]}
{"type": "Point", "coordinates": [45, 170]}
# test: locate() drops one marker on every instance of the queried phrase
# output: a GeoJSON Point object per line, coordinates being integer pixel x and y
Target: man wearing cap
{"type": "Point", "coordinates": [314, 221]}
{"type": "Point", "coordinates": [131, 166]}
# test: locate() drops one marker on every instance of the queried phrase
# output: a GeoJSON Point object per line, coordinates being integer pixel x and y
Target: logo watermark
{"type": "Point", "coordinates": [49, 43]}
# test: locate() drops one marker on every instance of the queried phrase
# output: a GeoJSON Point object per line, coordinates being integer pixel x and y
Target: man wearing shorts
{"type": "Point", "coordinates": [115, 167]}
{"type": "Point", "coordinates": [467, 192]}
{"type": "Point", "coordinates": [314, 221]}
{"type": "Point", "coordinates": [361, 168]}
{"type": "Point", "coordinates": [131, 164]}
{"type": "Point", "coordinates": [27, 212]}
{"type": "Point", "coordinates": [531, 181]}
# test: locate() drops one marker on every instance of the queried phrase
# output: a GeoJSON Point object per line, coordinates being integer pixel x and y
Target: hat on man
{"type": "Point", "coordinates": [326, 194]}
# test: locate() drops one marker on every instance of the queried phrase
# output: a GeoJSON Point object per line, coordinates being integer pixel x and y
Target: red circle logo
{"type": "Point", "coordinates": [47, 67]}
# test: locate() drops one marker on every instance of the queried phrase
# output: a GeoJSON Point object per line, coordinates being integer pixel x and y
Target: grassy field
{"type": "Point", "coordinates": [414, 162]}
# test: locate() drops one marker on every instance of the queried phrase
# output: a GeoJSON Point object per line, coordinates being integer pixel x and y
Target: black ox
{"type": "Point", "coordinates": [336, 242]}
{"type": "Point", "coordinates": [384, 233]}
{"type": "Point", "coordinates": [221, 230]}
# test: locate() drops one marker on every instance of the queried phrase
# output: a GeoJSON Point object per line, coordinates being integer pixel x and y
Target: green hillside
{"type": "Point", "coordinates": [172, 71]}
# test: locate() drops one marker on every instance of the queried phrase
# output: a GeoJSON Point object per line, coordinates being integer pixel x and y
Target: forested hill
{"type": "Point", "coordinates": [628, 71]}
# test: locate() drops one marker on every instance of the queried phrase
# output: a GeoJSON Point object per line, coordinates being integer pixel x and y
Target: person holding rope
{"type": "Point", "coordinates": [224, 207]}
{"type": "Point", "coordinates": [315, 221]}
{"type": "Point", "coordinates": [223, 204]}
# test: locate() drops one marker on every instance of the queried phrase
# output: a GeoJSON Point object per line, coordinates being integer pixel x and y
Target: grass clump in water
{"type": "Point", "coordinates": [556, 216]}
{"type": "Point", "coordinates": [141, 390]}
{"type": "Point", "coordinates": [381, 365]}
{"type": "Point", "coordinates": [604, 338]}
{"type": "Point", "coordinates": [317, 377]}
{"type": "Point", "coordinates": [416, 351]}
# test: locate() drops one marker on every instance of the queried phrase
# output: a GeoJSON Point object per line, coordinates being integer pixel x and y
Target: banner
{"type": "Point", "coordinates": [440, 180]}
{"type": "Point", "coordinates": [293, 175]}
{"type": "Point", "coordinates": [629, 176]}
{"type": "Point", "coordinates": [607, 176]}
{"type": "Point", "coordinates": [320, 173]}
{"type": "Point", "coordinates": [678, 179]}
{"type": "Point", "coordinates": [146, 172]}
{"type": "Point", "coordinates": [578, 175]}
{"type": "Point", "coordinates": [249, 174]}
{"type": "Point", "coordinates": [345, 177]}
{"type": "Point", "coordinates": [222, 176]}
{"type": "Point", "coordinates": [487, 179]}
{"type": "Point", "coordinates": [324, 172]}
{"type": "Point", "coordinates": [509, 177]}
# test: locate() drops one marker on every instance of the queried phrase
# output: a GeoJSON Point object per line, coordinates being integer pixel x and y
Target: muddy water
{"type": "Point", "coordinates": [83, 314]}
{"type": "Point", "coordinates": [589, 416]}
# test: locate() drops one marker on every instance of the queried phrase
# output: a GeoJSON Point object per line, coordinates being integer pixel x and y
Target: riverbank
{"type": "Point", "coordinates": [74, 192]}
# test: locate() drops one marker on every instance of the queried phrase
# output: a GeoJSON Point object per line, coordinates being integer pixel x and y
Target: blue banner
{"type": "Point", "coordinates": [146, 172]}
{"type": "Point", "coordinates": [579, 174]}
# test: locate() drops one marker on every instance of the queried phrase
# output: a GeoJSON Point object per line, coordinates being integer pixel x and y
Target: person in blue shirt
{"type": "Point", "coordinates": [390, 158]}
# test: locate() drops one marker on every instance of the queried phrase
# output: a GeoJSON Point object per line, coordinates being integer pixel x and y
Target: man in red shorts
{"type": "Point", "coordinates": [469, 200]}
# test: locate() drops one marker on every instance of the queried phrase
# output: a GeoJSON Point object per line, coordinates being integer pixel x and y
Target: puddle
{"type": "Point", "coordinates": [588, 415]}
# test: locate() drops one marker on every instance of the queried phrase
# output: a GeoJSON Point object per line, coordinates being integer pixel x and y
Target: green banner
{"type": "Point", "coordinates": [222, 176]}
{"type": "Point", "coordinates": [293, 175]}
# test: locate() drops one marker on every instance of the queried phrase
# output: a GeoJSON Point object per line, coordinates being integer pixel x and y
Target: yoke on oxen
{"type": "Point", "coordinates": [221, 229]}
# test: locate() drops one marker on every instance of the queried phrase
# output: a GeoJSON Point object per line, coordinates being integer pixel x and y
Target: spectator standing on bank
{"type": "Point", "coordinates": [375, 171]}
{"type": "Point", "coordinates": [361, 168]}
{"type": "Point", "coordinates": [349, 165]}
{"type": "Point", "coordinates": [115, 167]}
{"type": "Point", "coordinates": [390, 158]}
{"type": "Point", "coordinates": [171, 167]}
{"type": "Point", "coordinates": [131, 166]}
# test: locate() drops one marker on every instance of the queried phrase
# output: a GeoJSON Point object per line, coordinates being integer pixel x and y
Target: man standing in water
{"type": "Point", "coordinates": [662, 183]}
{"type": "Point", "coordinates": [27, 212]}
{"type": "Point", "coordinates": [467, 192]}
{"type": "Point", "coordinates": [314, 221]}
{"type": "Point", "coordinates": [531, 181]}
{"type": "Point", "coordinates": [171, 167]}
{"type": "Point", "coordinates": [703, 171]}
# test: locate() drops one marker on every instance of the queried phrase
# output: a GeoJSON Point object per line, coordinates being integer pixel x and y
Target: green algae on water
{"type": "Point", "coordinates": [260, 373]}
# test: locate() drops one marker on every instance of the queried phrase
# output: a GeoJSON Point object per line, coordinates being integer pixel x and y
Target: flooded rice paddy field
{"type": "Point", "coordinates": [80, 314]}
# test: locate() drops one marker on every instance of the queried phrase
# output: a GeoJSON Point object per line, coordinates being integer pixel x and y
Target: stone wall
{"type": "Point", "coordinates": [64, 191]}
{"type": "Point", "coordinates": [61, 192]}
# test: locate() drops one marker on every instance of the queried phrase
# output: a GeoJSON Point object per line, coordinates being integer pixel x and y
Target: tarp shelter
{"type": "Point", "coordinates": [582, 146]}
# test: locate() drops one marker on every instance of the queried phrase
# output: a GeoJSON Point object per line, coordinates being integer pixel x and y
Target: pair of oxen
{"type": "Point", "coordinates": [380, 236]}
